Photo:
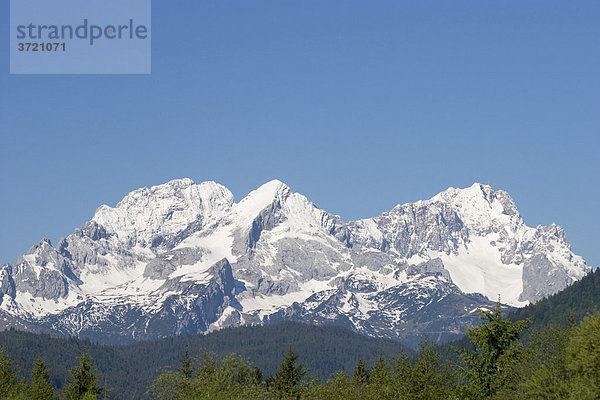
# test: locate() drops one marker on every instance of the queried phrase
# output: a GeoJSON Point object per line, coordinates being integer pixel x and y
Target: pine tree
{"type": "Point", "coordinates": [361, 373]}
{"type": "Point", "coordinates": [488, 369]}
{"type": "Point", "coordinates": [402, 370]}
{"type": "Point", "coordinates": [106, 389]}
{"type": "Point", "coordinates": [289, 375]}
{"type": "Point", "coordinates": [9, 383]}
{"type": "Point", "coordinates": [40, 387]}
{"type": "Point", "coordinates": [84, 381]}
{"type": "Point", "coordinates": [429, 380]}
{"type": "Point", "coordinates": [380, 373]}
{"type": "Point", "coordinates": [381, 379]}
{"type": "Point", "coordinates": [583, 358]}
{"type": "Point", "coordinates": [543, 369]}
{"type": "Point", "coordinates": [187, 367]}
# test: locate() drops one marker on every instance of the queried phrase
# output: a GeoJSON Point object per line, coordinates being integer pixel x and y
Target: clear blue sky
{"type": "Point", "coordinates": [358, 105]}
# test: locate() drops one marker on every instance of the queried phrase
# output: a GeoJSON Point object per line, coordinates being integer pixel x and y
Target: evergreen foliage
{"type": "Point", "coordinates": [290, 375]}
{"type": "Point", "coordinates": [10, 386]}
{"type": "Point", "coordinates": [544, 368]}
{"type": "Point", "coordinates": [40, 387]}
{"type": "Point", "coordinates": [575, 302]}
{"type": "Point", "coordinates": [558, 361]}
{"type": "Point", "coordinates": [83, 384]}
{"type": "Point", "coordinates": [361, 373]}
{"type": "Point", "coordinates": [488, 369]}
{"type": "Point", "coordinates": [583, 358]}
{"type": "Point", "coordinates": [429, 380]}
{"type": "Point", "coordinates": [130, 369]}
{"type": "Point", "coordinates": [187, 367]}
{"type": "Point", "coordinates": [230, 378]}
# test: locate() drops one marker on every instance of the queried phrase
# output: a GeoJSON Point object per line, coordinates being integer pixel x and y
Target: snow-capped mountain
{"type": "Point", "coordinates": [185, 258]}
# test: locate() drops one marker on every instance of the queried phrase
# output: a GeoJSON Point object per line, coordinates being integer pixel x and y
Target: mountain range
{"type": "Point", "coordinates": [183, 258]}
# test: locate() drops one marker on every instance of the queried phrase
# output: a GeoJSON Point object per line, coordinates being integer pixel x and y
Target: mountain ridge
{"type": "Point", "coordinates": [185, 258]}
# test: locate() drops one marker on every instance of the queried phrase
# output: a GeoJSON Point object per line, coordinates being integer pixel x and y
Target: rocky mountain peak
{"type": "Point", "coordinates": [481, 208]}
{"type": "Point", "coordinates": [267, 193]}
{"type": "Point", "coordinates": [271, 195]}
{"type": "Point", "coordinates": [477, 196]}
{"type": "Point", "coordinates": [44, 244]}
{"type": "Point", "coordinates": [164, 210]}
{"type": "Point", "coordinates": [183, 257]}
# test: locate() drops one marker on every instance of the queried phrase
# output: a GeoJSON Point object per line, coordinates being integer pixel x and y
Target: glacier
{"type": "Point", "coordinates": [186, 258]}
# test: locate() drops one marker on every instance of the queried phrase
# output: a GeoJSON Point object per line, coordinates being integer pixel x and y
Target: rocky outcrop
{"type": "Point", "coordinates": [185, 258]}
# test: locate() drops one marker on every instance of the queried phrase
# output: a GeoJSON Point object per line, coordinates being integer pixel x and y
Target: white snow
{"type": "Point", "coordinates": [164, 209]}
{"type": "Point", "coordinates": [38, 306]}
{"type": "Point", "coordinates": [96, 280]}
{"type": "Point", "coordinates": [479, 269]}
{"type": "Point", "coordinates": [197, 272]}
{"type": "Point", "coordinates": [268, 304]}
{"type": "Point", "coordinates": [218, 324]}
{"type": "Point", "coordinates": [248, 209]}
{"type": "Point", "coordinates": [218, 245]}
{"type": "Point", "coordinates": [168, 209]}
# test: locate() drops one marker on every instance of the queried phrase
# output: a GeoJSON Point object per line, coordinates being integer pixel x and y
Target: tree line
{"type": "Point", "coordinates": [556, 362]}
{"type": "Point", "coordinates": [82, 385]}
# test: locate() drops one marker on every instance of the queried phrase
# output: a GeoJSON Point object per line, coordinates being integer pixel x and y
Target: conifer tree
{"type": "Point", "coordinates": [361, 373]}
{"type": "Point", "coordinates": [9, 384]}
{"type": "Point", "coordinates": [83, 383]}
{"type": "Point", "coordinates": [488, 369]}
{"type": "Point", "coordinates": [583, 358]}
{"type": "Point", "coordinates": [187, 367]}
{"type": "Point", "coordinates": [429, 380]}
{"type": "Point", "coordinates": [289, 375]}
{"type": "Point", "coordinates": [543, 369]}
{"type": "Point", "coordinates": [402, 370]}
{"type": "Point", "coordinates": [381, 379]}
{"type": "Point", "coordinates": [40, 387]}
{"type": "Point", "coordinates": [380, 373]}
{"type": "Point", "coordinates": [106, 389]}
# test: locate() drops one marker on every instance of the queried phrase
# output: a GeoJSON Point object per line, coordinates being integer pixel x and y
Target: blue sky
{"type": "Point", "coordinates": [358, 105]}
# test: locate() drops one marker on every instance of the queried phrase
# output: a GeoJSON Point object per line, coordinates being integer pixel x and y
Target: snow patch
{"type": "Point", "coordinates": [478, 268]}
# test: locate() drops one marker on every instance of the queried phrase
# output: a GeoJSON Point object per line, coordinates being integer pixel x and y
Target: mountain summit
{"type": "Point", "coordinates": [186, 258]}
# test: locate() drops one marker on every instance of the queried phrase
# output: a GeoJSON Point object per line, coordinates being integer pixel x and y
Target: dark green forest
{"type": "Point", "coordinates": [576, 301]}
{"type": "Point", "coordinates": [130, 369]}
{"type": "Point", "coordinates": [549, 350]}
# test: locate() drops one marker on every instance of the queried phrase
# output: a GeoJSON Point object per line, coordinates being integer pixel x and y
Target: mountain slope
{"type": "Point", "coordinates": [573, 303]}
{"type": "Point", "coordinates": [129, 370]}
{"type": "Point", "coordinates": [576, 302]}
{"type": "Point", "coordinates": [482, 241]}
{"type": "Point", "coordinates": [181, 258]}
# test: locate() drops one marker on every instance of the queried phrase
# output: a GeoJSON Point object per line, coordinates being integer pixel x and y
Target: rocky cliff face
{"type": "Point", "coordinates": [185, 258]}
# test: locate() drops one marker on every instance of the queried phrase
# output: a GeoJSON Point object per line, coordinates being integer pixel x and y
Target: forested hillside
{"type": "Point", "coordinates": [556, 363]}
{"type": "Point", "coordinates": [575, 302]}
{"type": "Point", "coordinates": [130, 369]}
{"type": "Point", "coordinates": [547, 350]}
{"type": "Point", "coordinates": [569, 306]}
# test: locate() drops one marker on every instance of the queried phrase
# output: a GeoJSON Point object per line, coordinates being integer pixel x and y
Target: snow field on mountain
{"type": "Point", "coordinates": [152, 257]}
{"type": "Point", "coordinates": [478, 268]}
{"type": "Point", "coordinates": [268, 304]}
